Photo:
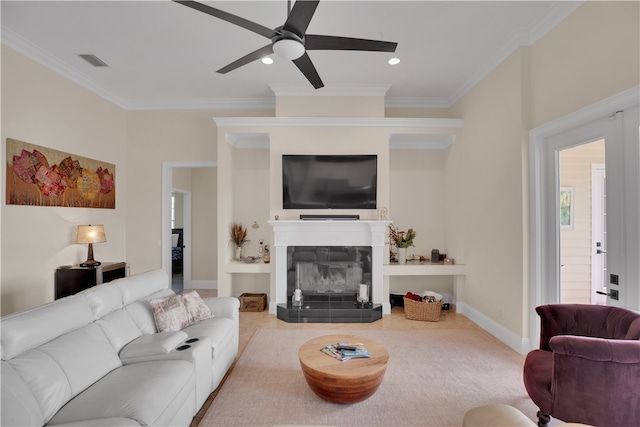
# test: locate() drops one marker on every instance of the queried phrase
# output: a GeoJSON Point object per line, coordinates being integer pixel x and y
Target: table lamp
{"type": "Point", "coordinates": [90, 234]}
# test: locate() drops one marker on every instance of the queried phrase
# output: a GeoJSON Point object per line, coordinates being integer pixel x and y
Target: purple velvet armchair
{"type": "Point", "coordinates": [587, 369]}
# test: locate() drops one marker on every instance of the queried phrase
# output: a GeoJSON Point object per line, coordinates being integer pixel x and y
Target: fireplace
{"type": "Point", "coordinates": [326, 270]}
{"type": "Point", "coordinates": [329, 261]}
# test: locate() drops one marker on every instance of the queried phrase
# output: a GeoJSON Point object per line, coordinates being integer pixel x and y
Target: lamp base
{"type": "Point", "coordinates": [90, 263]}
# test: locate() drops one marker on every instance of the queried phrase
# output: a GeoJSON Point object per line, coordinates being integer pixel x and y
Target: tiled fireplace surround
{"type": "Point", "coordinates": [326, 305]}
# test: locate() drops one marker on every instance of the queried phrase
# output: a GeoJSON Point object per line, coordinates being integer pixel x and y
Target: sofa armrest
{"type": "Point", "coordinates": [223, 306]}
{"type": "Point", "coordinates": [596, 349]}
{"type": "Point", "coordinates": [586, 370]}
{"type": "Point", "coordinates": [151, 345]}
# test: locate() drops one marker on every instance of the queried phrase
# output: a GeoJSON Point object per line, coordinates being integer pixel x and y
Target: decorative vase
{"type": "Point", "coordinates": [238, 253]}
{"type": "Point", "coordinates": [266, 255]}
{"type": "Point", "coordinates": [402, 255]}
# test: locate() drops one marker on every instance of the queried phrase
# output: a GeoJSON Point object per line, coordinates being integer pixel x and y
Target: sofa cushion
{"type": "Point", "coordinates": [169, 313]}
{"type": "Point", "coordinates": [29, 329]}
{"type": "Point", "coordinates": [104, 299]}
{"type": "Point", "coordinates": [195, 305]}
{"type": "Point", "coordinates": [148, 392]}
{"type": "Point", "coordinates": [62, 368]}
{"type": "Point", "coordinates": [19, 407]}
{"type": "Point", "coordinates": [142, 285]}
{"type": "Point", "coordinates": [141, 313]}
{"type": "Point", "coordinates": [119, 328]}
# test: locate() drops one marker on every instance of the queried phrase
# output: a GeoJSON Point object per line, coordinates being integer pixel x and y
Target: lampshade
{"type": "Point", "coordinates": [288, 49]}
{"type": "Point", "coordinates": [91, 234]}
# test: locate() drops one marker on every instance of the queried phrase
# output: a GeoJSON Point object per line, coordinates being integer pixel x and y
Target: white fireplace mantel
{"type": "Point", "coordinates": [329, 233]}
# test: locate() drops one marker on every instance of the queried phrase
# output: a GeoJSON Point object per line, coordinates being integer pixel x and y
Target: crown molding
{"type": "Point", "coordinates": [356, 122]}
{"type": "Point", "coordinates": [205, 104]}
{"type": "Point", "coordinates": [523, 37]}
{"type": "Point", "coordinates": [31, 51]}
{"type": "Point", "coordinates": [330, 90]}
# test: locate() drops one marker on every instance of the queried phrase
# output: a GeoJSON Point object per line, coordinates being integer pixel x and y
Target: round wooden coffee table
{"type": "Point", "coordinates": [350, 381]}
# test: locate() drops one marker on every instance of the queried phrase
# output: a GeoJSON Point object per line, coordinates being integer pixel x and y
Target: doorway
{"type": "Point", "coordinates": [582, 235]}
{"type": "Point", "coordinates": [180, 238]}
{"type": "Point", "coordinates": [198, 188]}
{"type": "Point", "coordinates": [616, 121]}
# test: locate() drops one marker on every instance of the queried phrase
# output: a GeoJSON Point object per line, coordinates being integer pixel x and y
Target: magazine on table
{"type": "Point", "coordinates": [346, 351]}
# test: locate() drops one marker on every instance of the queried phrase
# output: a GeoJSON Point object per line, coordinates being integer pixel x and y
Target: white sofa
{"type": "Point", "coordinates": [97, 359]}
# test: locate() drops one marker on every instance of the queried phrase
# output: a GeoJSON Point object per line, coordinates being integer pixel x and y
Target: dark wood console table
{"type": "Point", "coordinates": [73, 279]}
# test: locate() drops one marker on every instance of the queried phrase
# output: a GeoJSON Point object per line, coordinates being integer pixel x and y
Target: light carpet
{"type": "Point", "coordinates": [433, 377]}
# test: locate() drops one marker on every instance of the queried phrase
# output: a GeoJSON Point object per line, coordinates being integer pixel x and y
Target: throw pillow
{"type": "Point", "coordinates": [169, 313]}
{"type": "Point", "coordinates": [197, 309]}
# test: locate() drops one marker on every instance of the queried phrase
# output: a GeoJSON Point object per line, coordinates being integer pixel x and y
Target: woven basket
{"type": "Point", "coordinates": [420, 310]}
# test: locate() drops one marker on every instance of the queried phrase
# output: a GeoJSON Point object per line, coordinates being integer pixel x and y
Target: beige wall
{"type": "Point", "coordinates": [489, 157]}
{"type": "Point", "coordinates": [42, 108]}
{"type": "Point", "coordinates": [204, 234]}
{"type": "Point", "coordinates": [592, 55]}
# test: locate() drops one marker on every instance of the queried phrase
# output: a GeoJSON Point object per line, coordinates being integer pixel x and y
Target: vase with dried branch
{"type": "Point", "coordinates": [239, 238]}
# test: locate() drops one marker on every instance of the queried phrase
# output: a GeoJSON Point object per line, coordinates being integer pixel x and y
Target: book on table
{"type": "Point", "coordinates": [346, 351]}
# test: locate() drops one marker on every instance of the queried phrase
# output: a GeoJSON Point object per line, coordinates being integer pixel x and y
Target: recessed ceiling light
{"type": "Point", "coordinates": [267, 60]}
{"type": "Point", "coordinates": [394, 61]}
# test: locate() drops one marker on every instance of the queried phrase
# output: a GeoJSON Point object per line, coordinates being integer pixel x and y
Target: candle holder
{"type": "Point", "coordinates": [297, 298]}
{"type": "Point", "coordinates": [363, 303]}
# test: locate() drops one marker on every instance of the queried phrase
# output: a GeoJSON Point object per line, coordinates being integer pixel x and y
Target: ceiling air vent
{"type": "Point", "coordinates": [93, 60]}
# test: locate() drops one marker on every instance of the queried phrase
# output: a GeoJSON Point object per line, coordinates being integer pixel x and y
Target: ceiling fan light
{"type": "Point", "coordinates": [288, 49]}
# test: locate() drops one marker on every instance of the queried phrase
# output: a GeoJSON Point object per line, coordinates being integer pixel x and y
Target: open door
{"type": "Point", "coordinates": [582, 223]}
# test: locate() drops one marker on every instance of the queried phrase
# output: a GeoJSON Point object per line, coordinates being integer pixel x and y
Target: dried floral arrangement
{"type": "Point", "coordinates": [401, 239]}
{"type": "Point", "coordinates": [238, 234]}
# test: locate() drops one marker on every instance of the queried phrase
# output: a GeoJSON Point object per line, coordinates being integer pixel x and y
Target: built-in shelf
{"type": "Point", "coordinates": [424, 269]}
{"type": "Point", "coordinates": [243, 267]}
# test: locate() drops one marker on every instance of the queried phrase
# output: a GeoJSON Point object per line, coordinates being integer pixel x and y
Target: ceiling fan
{"type": "Point", "coordinates": [290, 41]}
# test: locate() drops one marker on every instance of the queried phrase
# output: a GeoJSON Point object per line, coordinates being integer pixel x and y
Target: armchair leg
{"type": "Point", "coordinates": [543, 419]}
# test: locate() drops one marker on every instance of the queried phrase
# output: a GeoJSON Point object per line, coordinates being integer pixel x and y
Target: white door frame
{"type": "Point", "coordinates": [167, 189]}
{"type": "Point", "coordinates": [598, 260]}
{"type": "Point", "coordinates": [544, 264]}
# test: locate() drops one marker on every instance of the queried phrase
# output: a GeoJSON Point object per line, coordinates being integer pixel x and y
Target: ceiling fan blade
{"type": "Point", "coordinates": [317, 42]}
{"type": "Point", "coordinates": [256, 54]}
{"type": "Point", "coordinates": [300, 16]}
{"type": "Point", "coordinates": [233, 19]}
{"type": "Point", "coordinates": [305, 65]}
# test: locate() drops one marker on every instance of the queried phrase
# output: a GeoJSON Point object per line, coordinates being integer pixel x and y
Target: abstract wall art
{"type": "Point", "coordinates": [40, 176]}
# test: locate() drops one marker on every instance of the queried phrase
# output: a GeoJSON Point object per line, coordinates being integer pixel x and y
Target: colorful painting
{"type": "Point", "coordinates": [40, 176]}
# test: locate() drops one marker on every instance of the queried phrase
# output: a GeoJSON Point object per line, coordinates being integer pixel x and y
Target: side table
{"type": "Point", "coordinates": [73, 279]}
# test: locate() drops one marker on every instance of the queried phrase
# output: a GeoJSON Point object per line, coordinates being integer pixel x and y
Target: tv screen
{"type": "Point", "coordinates": [329, 181]}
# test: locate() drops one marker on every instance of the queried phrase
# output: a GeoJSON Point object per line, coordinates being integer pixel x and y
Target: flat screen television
{"type": "Point", "coordinates": [329, 181]}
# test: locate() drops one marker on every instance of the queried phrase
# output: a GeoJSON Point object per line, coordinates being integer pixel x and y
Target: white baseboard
{"type": "Point", "coordinates": [202, 284]}
{"type": "Point", "coordinates": [508, 337]}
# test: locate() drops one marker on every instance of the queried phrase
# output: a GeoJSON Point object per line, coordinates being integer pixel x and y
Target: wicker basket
{"type": "Point", "coordinates": [420, 310]}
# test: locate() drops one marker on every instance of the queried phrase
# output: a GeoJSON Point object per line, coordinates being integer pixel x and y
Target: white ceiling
{"type": "Point", "coordinates": [164, 55]}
